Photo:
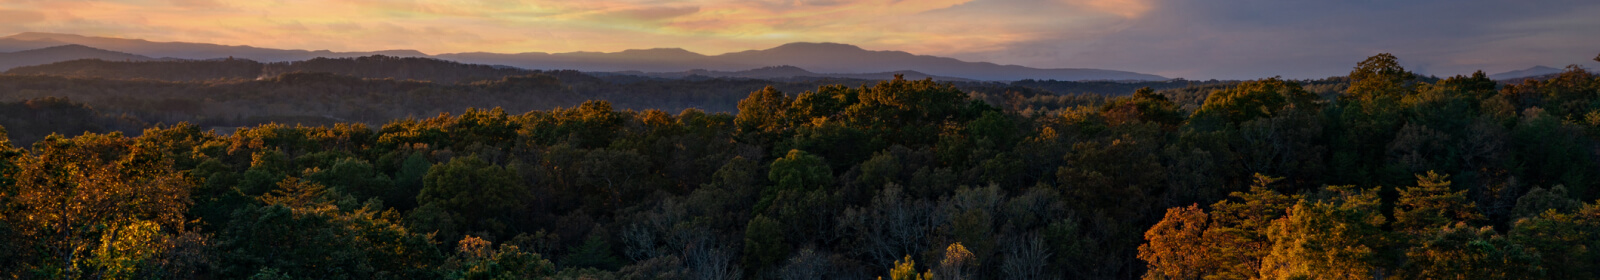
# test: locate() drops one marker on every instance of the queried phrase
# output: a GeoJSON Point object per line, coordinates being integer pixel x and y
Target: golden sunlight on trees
{"type": "Point", "coordinates": [907, 270]}
{"type": "Point", "coordinates": [1256, 99]}
{"type": "Point", "coordinates": [1380, 77]}
{"type": "Point", "coordinates": [96, 202]}
{"type": "Point", "coordinates": [1384, 174]}
{"type": "Point", "coordinates": [956, 263]}
{"type": "Point", "coordinates": [1341, 233]}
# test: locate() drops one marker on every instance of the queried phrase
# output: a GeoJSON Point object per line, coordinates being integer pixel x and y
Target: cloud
{"type": "Point", "coordinates": [652, 14]}
{"type": "Point", "coordinates": [1314, 39]}
{"type": "Point", "coordinates": [1124, 8]}
{"type": "Point", "coordinates": [1191, 39]}
{"type": "Point", "coordinates": [15, 17]}
{"type": "Point", "coordinates": [607, 25]}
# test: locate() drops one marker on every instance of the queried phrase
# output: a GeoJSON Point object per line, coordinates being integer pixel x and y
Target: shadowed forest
{"type": "Point", "coordinates": [187, 170]}
{"type": "Point", "coordinates": [224, 94]}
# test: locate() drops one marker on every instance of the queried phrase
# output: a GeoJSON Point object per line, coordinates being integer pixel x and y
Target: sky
{"type": "Point", "coordinates": [1229, 39]}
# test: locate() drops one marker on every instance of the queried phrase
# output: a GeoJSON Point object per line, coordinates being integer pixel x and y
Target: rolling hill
{"type": "Point", "coordinates": [1540, 70]}
{"type": "Point", "coordinates": [62, 53]}
{"type": "Point", "coordinates": [787, 72]}
{"type": "Point", "coordinates": [819, 57]}
{"type": "Point", "coordinates": [183, 50]}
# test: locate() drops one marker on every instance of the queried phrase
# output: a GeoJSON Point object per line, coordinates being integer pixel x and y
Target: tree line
{"type": "Point", "coordinates": [227, 93]}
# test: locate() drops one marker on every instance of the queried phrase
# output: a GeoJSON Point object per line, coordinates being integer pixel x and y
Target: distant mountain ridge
{"type": "Point", "coordinates": [60, 53]}
{"type": "Point", "coordinates": [373, 67]}
{"type": "Point", "coordinates": [184, 50]}
{"type": "Point", "coordinates": [818, 57]}
{"type": "Point", "coordinates": [1540, 70]}
{"type": "Point", "coordinates": [787, 72]}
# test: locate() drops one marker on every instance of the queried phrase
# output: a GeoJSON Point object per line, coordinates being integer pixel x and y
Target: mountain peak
{"type": "Point", "coordinates": [1542, 68]}
{"type": "Point", "coordinates": [62, 53]}
{"type": "Point", "coordinates": [401, 53]}
{"type": "Point", "coordinates": [816, 47]}
{"type": "Point", "coordinates": [660, 51]}
{"type": "Point", "coordinates": [70, 47]}
{"type": "Point", "coordinates": [74, 48]}
{"type": "Point", "coordinates": [802, 58]}
{"type": "Point", "coordinates": [1530, 72]}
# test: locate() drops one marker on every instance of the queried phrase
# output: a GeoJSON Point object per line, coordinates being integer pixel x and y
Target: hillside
{"type": "Point", "coordinates": [375, 67]}
{"type": "Point", "coordinates": [1382, 172]}
{"type": "Point", "coordinates": [167, 70]}
{"type": "Point", "coordinates": [820, 57]}
{"type": "Point", "coordinates": [62, 53]}
{"type": "Point", "coordinates": [789, 73]}
{"type": "Point", "coordinates": [184, 50]}
{"type": "Point", "coordinates": [1525, 73]}
{"type": "Point", "coordinates": [373, 89]}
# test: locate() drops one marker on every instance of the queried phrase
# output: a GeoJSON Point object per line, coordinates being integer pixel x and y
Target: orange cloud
{"type": "Point", "coordinates": [708, 26]}
{"type": "Point", "coordinates": [19, 17]}
{"type": "Point", "coordinates": [1124, 8]}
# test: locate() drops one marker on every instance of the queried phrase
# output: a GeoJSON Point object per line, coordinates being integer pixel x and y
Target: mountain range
{"type": "Point", "coordinates": [838, 59]}
{"type": "Point", "coordinates": [787, 72]}
{"type": "Point", "coordinates": [1540, 70]}
{"type": "Point", "coordinates": [60, 53]}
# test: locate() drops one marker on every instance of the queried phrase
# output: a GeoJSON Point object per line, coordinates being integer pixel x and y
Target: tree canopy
{"type": "Point", "coordinates": [1380, 174]}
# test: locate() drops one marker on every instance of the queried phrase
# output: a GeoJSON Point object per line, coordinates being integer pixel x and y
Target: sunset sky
{"type": "Point", "coordinates": [1175, 38]}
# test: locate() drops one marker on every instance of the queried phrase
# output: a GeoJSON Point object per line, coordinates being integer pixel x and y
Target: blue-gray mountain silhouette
{"type": "Point", "coordinates": [815, 57]}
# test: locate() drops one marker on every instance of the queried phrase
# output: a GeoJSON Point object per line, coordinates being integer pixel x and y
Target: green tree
{"type": "Point", "coordinates": [798, 171]}
{"type": "Point", "coordinates": [10, 243]}
{"type": "Point", "coordinates": [1538, 200]}
{"type": "Point", "coordinates": [828, 102]}
{"type": "Point", "coordinates": [972, 222]}
{"type": "Point", "coordinates": [299, 233]}
{"type": "Point", "coordinates": [478, 195]}
{"type": "Point", "coordinates": [763, 113]}
{"type": "Point", "coordinates": [763, 243]}
{"type": "Point", "coordinates": [476, 260]}
{"type": "Point", "coordinates": [909, 113]}
{"type": "Point", "coordinates": [1256, 99]}
{"type": "Point", "coordinates": [1380, 76]}
{"type": "Point", "coordinates": [1462, 252]}
{"type": "Point", "coordinates": [995, 128]}
{"type": "Point", "coordinates": [358, 179]}
{"type": "Point", "coordinates": [1551, 152]}
{"type": "Point", "coordinates": [595, 252]}
{"type": "Point", "coordinates": [8, 168]}
{"type": "Point", "coordinates": [1432, 205]}
{"type": "Point", "coordinates": [1144, 106]}
{"type": "Point", "coordinates": [408, 182]}
{"type": "Point", "coordinates": [1567, 242]}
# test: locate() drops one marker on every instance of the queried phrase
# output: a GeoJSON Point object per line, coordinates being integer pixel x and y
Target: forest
{"type": "Point", "coordinates": [1381, 174]}
{"type": "Point", "coordinates": [374, 90]}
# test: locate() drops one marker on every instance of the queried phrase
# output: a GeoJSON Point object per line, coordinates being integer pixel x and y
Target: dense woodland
{"type": "Point", "coordinates": [378, 89]}
{"type": "Point", "coordinates": [1378, 175]}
